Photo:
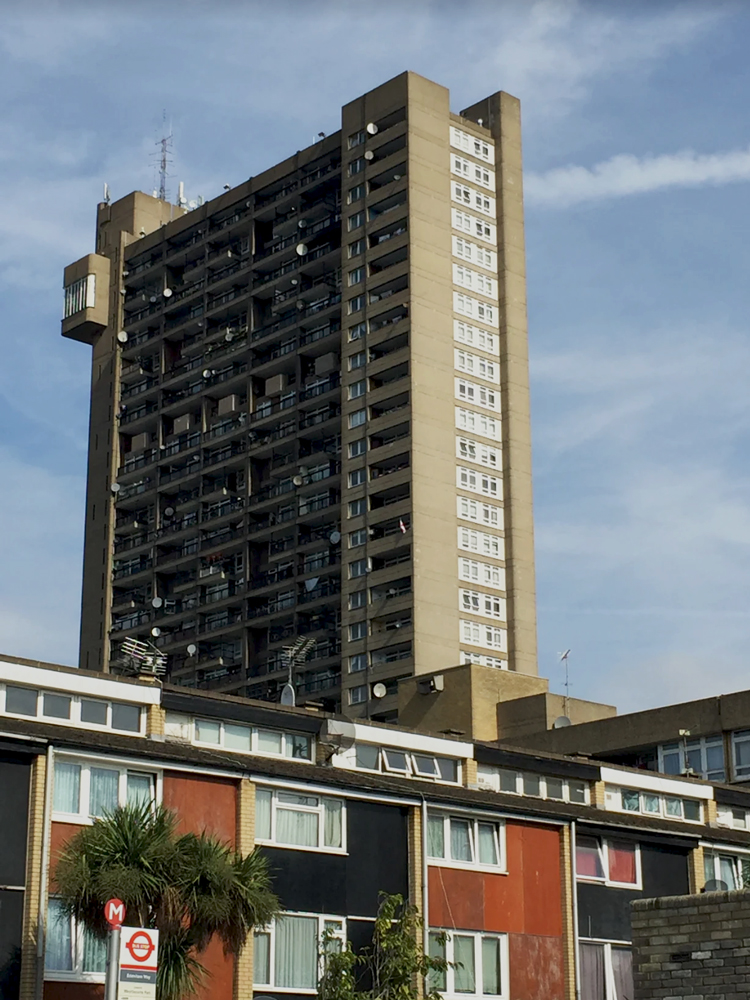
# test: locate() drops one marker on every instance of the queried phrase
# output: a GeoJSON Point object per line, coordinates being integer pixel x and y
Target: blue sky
{"type": "Point", "coordinates": [637, 158]}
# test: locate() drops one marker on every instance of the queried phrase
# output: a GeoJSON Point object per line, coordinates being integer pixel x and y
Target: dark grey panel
{"type": "Point", "coordinates": [11, 918]}
{"type": "Point", "coordinates": [15, 775]}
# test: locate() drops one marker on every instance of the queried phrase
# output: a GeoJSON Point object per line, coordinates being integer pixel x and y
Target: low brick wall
{"type": "Point", "coordinates": [692, 946]}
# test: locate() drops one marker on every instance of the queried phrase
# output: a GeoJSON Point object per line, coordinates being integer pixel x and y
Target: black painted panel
{"type": "Point", "coordinates": [604, 911]}
{"type": "Point", "coordinates": [11, 917]}
{"type": "Point", "coordinates": [314, 882]}
{"type": "Point", "coordinates": [14, 795]}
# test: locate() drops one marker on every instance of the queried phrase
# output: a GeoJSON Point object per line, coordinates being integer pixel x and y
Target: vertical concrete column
{"type": "Point", "coordinates": [568, 913]}
{"type": "Point", "coordinates": [696, 870]}
{"type": "Point", "coordinates": [31, 968]}
{"type": "Point", "coordinates": [416, 895]}
{"type": "Point", "coordinates": [243, 966]}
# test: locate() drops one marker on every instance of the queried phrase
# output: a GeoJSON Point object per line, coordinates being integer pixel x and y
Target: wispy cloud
{"type": "Point", "coordinates": [625, 175]}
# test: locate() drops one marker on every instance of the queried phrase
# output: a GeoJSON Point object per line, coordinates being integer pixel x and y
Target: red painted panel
{"type": "Point", "coordinates": [203, 803]}
{"type": "Point", "coordinates": [60, 834]}
{"type": "Point", "coordinates": [542, 880]}
{"type": "Point", "coordinates": [537, 967]}
{"type": "Point", "coordinates": [219, 983]}
{"type": "Point", "coordinates": [456, 898]}
{"type": "Point", "coordinates": [73, 991]}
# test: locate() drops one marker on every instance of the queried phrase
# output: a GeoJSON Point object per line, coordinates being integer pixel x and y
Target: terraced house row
{"type": "Point", "coordinates": [310, 414]}
{"type": "Point", "coordinates": [527, 859]}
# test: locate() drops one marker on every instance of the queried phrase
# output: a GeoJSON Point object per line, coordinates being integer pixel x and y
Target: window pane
{"type": "Point", "coordinates": [531, 785]}
{"type": "Point", "coordinates": [21, 701]}
{"type": "Point", "coordinates": [58, 954]}
{"type": "Point", "coordinates": [126, 717]}
{"type": "Point", "coordinates": [237, 737]}
{"type": "Point", "coordinates": [261, 958]}
{"type": "Point", "coordinates": [299, 747]}
{"type": "Point", "coordinates": [460, 840]}
{"type": "Point", "coordinates": [576, 791]}
{"type": "Point", "coordinates": [691, 809]}
{"type": "Point", "coordinates": [673, 806]}
{"type": "Point", "coordinates": [207, 731]}
{"type": "Point", "coordinates": [727, 872]}
{"type": "Point", "coordinates": [396, 760]}
{"type": "Point", "coordinates": [425, 765]}
{"type": "Point", "coordinates": [671, 760]}
{"type": "Point", "coordinates": [55, 706]}
{"type": "Point", "coordinates": [744, 873]}
{"type": "Point", "coordinates": [592, 972]}
{"type": "Point", "coordinates": [140, 788]}
{"type": "Point", "coordinates": [463, 957]}
{"type": "Point", "coordinates": [436, 980]}
{"type": "Point", "coordinates": [708, 866]}
{"type": "Point", "coordinates": [651, 803]}
{"type": "Point", "coordinates": [367, 756]}
{"type": "Point", "coordinates": [103, 792]}
{"type": "Point", "coordinates": [588, 858]}
{"type": "Point", "coordinates": [621, 862]}
{"type": "Point", "coordinates": [622, 970]}
{"type": "Point", "coordinates": [491, 966]}
{"type": "Point", "coordinates": [631, 800]}
{"type": "Point", "coordinates": [332, 816]}
{"type": "Point", "coordinates": [487, 844]}
{"type": "Point", "coordinates": [67, 787]}
{"type": "Point", "coordinates": [715, 758]}
{"type": "Point", "coordinates": [268, 741]}
{"type": "Point", "coordinates": [448, 768]}
{"type": "Point", "coordinates": [94, 712]}
{"type": "Point", "coordinates": [297, 828]}
{"type": "Point", "coordinates": [263, 814]}
{"type": "Point", "coordinates": [554, 788]}
{"type": "Point", "coordinates": [508, 781]}
{"type": "Point", "coordinates": [94, 953]}
{"type": "Point", "coordinates": [296, 962]}
{"type": "Point", "coordinates": [435, 837]}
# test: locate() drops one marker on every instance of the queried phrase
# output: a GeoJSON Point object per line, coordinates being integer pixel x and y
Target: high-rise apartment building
{"type": "Point", "coordinates": [310, 412]}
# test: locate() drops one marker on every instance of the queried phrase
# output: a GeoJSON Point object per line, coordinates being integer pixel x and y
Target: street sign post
{"type": "Point", "coordinates": [114, 914]}
{"type": "Point", "coordinates": [139, 951]}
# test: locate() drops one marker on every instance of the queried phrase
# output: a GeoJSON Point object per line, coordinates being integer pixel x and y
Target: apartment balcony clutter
{"type": "Point", "coordinates": [275, 411]}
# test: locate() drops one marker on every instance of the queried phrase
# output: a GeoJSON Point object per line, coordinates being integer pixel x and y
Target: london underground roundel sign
{"type": "Point", "coordinates": [114, 913]}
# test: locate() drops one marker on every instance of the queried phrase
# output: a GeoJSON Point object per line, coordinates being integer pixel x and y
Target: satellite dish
{"type": "Point", "coordinates": [207, 373]}
{"type": "Point", "coordinates": [192, 204]}
{"type": "Point", "coordinates": [301, 223]}
{"type": "Point", "coordinates": [715, 885]}
{"type": "Point", "coordinates": [156, 631]}
{"type": "Point", "coordinates": [397, 177]}
{"type": "Point", "coordinates": [228, 336]}
{"type": "Point", "coordinates": [371, 128]}
{"type": "Point", "coordinates": [115, 487]}
{"type": "Point", "coordinates": [167, 293]}
{"type": "Point", "coordinates": [335, 537]}
{"type": "Point", "coordinates": [561, 722]}
{"type": "Point", "coordinates": [312, 583]}
{"type": "Point", "coordinates": [122, 337]}
{"type": "Point", "coordinates": [369, 155]}
{"type": "Point", "coordinates": [152, 299]}
{"type": "Point", "coordinates": [192, 649]}
{"type": "Point", "coordinates": [379, 690]}
{"type": "Point", "coordinates": [295, 281]}
{"type": "Point", "coordinates": [300, 305]}
{"type": "Point", "coordinates": [169, 511]}
{"type": "Point", "coordinates": [288, 696]}
{"type": "Point", "coordinates": [297, 480]}
{"type": "Point", "coordinates": [301, 249]}
{"type": "Point", "coordinates": [156, 602]}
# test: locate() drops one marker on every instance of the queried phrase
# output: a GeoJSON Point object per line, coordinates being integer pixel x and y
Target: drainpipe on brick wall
{"type": "Point", "coordinates": [574, 879]}
{"type": "Point", "coordinates": [44, 876]}
{"type": "Point", "coordinates": [425, 890]}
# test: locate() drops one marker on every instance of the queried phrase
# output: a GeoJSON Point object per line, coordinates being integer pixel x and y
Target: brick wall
{"type": "Point", "coordinates": [692, 946]}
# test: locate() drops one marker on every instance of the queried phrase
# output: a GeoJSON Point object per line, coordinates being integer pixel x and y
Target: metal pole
{"type": "Point", "coordinates": [113, 964]}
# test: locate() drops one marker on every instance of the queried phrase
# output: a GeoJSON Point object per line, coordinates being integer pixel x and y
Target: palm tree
{"type": "Point", "coordinates": [190, 887]}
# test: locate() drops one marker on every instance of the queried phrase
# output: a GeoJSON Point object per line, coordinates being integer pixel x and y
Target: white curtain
{"type": "Point", "coordinates": [296, 963]}
{"type": "Point", "coordinates": [622, 970]}
{"type": "Point", "coordinates": [261, 958]}
{"type": "Point", "coordinates": [94, 953]}
{"type": "Point", "coordinates": [140, 788]}
{"type": "Point", "coordinates": [333, 814]}
{"type": "Point", "coordinates": [491, 966]}
{"type": "Point", "coordinates": [436, 979]}
{"type": "Point", "coordinates": [435, 837]}
{"type": "Point", "coordinates": [297, 828]}
{"type": "Point", "coordinates": [487, 846]}
{"type": "Point", "coordinates": [269, 742]}
{"type": "Point", "coordinates": [592, 972]}
{"type": "Point", "coordinates": [103, 791]}
{"type": "Point", "coordinates": [58, 954]}
{"type": "Point", "coordinates": [464, 975]}
{"type": "Point", "coordinates": [460, 840]}
{"type": "Point", "coordinates": [263, 814]}
{"type": "Point", "coordinates": [67, 787]}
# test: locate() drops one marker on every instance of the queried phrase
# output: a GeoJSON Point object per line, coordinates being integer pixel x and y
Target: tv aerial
{"type": "Point", "coordinates": [294, 654]}
{"type": "Point", "coordinates": [144, 657]}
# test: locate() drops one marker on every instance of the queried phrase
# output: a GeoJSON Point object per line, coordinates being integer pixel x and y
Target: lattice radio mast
{"type": "Point", "coordinates": [165, 149]}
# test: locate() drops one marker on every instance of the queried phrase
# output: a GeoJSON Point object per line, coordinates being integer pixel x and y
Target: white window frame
{"type": "Point", "coordinates": [475, 281]}
{"type": "Point", "coordinates": [357, 389]}
{"type": "Point", "coordinates": [474, 822]}
{"type": "Point", "coordinates": [609, 976]}
{"type": "Point", "coordinates": [740, 772]}
{"type": "Point", "coordinates": [75, 709]}
{"type": "Point", "coordinates": [475, 336]}
{"type": "Point", "coordinates": [450, 973]}
{"type": "Point", "coordinates": [357, 418]}
{"type": "Point", "coordinates": [480, 229]}
{"type": "Point", "coordinates": [604, 843]}
{"type": "Point", "coordinates": [359, 568]}
{"type": "Point", "coordinates": [287, 739]}
{"type": "Point", "coordinates": [270, 930]}
{"type": "Point", "coordinates": [477, 395]}
{"type": "Point", "coordinates": [412, 767]}
{"type": "Point", "coordinates": [491, 776]}
{"type": "Point", "coordinates": [478, 452]}
{"type": "Point", "coordinates": [83, 817]}
{"type": "Point", "coordinates": [470, 144]}
{"type": "Point", "coordinates": [615, 800]}
{"type": "Point", "coordinates": [714, 855]}
{"type": "Point", "coordinates": [483, 659]}
{"type": "Point", "coordinates": [486, 574]}
{"type": "Point", "coordinates": [357, 631]}
{"type": "Point", "coordinates": [479, 481]}
{"type": "Point", "coordinates": [357, 663]}
{"type": "Point", "coordinates": [361, 697]}
{"type": "Point", "coordinates": [76, 974]}
{"type": "Point", "coordinates": [481, 542]}
{"type": "Point", "coordinates": [318, 810]}
{"type": "Point", "coordinates": [687, 746]}
{"type": "Point", "coordinates": [486, 636]}
{"type": "Point", "coordinates": [469, 509]}
{"type": "Point", "coordinates": [478, 423]}
{"type": "Point", "coordinates": [79, 295]}
{"type": "Point", "coordinates": [476, 366]}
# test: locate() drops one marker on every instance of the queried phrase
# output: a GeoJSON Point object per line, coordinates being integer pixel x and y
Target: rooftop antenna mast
{"type": "Point", "coordinates": [165, 148]}
{"type": "Point", "coordinates": [565, 658]}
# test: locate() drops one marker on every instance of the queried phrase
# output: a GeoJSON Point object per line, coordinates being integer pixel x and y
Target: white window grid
{"type": "Point", "coordinates": [476, 451]}
{"type": "Point", "coordinates": [77, 707]}
{"type": "Point", "coordinates": [357, 599]}
{"type": "Point", "coordinates": [355, 220]}
{"type": "Point", "coordinates": [470, 144]}
{"type": "Point", "coordinates": [357, 448]}
{"type": "Point", "coordinates": [478, 634]}
{"type": "Point", "coordinates": [453, 945]}
{"type": "Point", "coordinates": [357, 507]}
{"type": "Point", "coordinates": [357, 331]}
{"type": "Point", "coordinates": [357, 477]}
{"type": "Point", "coordinates": [250, 739]}
{"type": "Point", "coordinates": [732, 817]}
{"type": "Point", "coordinates": [477, 395]}
{"type": "Point", "coordinates": [538, 786]}
{"type": "Point", "coordinates": [84, 816]}
{"type": "Point", "coordinates": [357, 630]}
{"type": "Point", "coordinates": [357, 418]}
{"type": "Point", "coordinates": [356, 139]}
{"type": "Point", "coordinates": [80, 295]}
{"type": "Point", "coordinates": [471, 824]}
{"type": "Point", "coordinates": [358, 537]}
{"type": "Point", "coordinates": [356, 248]}
{"type": "Point", "coordinates": [472, 198]}
{"type": "Point", "coordinates": [407, 763]}
{"type": "Point", "coordinates": [309, 805]}
{"type": "Point", "coordinates": [607, 947]}
{"type": "Point", "coordinates": [674, 807]}
{"type": "Point", "coordinates": [476, 602]}
{"type": "Point", "coordinates": [471, 540]}
{"type": "Point", "coordinates": [356, 166]}
{"type": "Point", "coordinates": [483, 659]}
{"type": "Point", "coordinates": [356, 304]}
{"type": "Point", "coordinates": [478, 423]}
{"type": "Point", "coordinates": [472, 225]}
{"type": "Point", "coordinates": [473, 172]}
{"type": "Point", "coordinates": [467, 305]}
{"type": "Point", "coordinates": [475, 336]}
{"type": "Point", "coordinates": [357, 662]}
{"type": "Point", "coordinates": [479, 482]}
{"type": "Point", "coordinates": [356, 276]}
{"type": "Point", "coordinates": [604, 845]}
{"type": "Point", "coordinates": [483, 573]}
{"type": "Point", "coordinates": [335, 925]}
{"type": "Point", "coordinates": [473, 253]}
{"type": "Point", "coordinates": [741, 754]}
{"type": "Point", "coordinates": [480, 513]}
{"type": "Point", "coordinates": [359, 567]}
{"type": "Point", "coordinates": [702, 755]}
{"type": "Point", "coordinates": [731, 868]}
{"type": "Point", "coordinates": [78, 933]}
{"type": "Point", "coordinates": [358, 695]}
{"type": "Point", "coordinates": [476, 365]}
{"type": "Point", "coordinates": [358, 360]}
{"type": "Point", "coordinates": [475, 281]}
{"type": "Point", "coordinates": [357, 389]}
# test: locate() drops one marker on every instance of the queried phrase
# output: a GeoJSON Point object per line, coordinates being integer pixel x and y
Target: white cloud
{"type": "Point", "coordinates": [625, 175]}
